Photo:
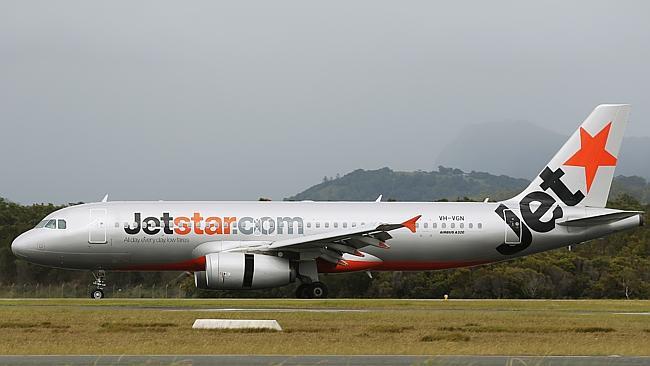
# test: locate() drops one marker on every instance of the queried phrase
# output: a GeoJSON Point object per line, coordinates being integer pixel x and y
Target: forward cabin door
{"type": "Point", "coordinates": [97, 228]}
{"type": "Point", "coordinates": [512, 227]}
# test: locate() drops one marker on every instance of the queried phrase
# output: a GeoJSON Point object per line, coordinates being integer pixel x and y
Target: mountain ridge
{"type": "Point", "coordinates": [443, 184]}
{"type": "Point", "coordinates": [520, 148]}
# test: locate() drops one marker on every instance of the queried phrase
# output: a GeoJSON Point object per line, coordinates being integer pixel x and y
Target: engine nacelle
{"type": "Point", "coordinates": [237, 271]}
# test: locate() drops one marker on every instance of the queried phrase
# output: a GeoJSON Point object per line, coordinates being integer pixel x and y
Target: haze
{"type": "Point", "coordinates": [239, 100]}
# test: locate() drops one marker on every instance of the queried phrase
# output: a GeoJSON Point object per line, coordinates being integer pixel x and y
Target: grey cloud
{"type": "Point", "coordinates": [236, 100]}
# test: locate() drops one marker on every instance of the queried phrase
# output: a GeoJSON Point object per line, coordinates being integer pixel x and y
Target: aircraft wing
{"type": "Point", "coordinates": [333, 244]}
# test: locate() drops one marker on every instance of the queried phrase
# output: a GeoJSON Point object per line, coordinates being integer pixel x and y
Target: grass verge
{"type": "Point", "coordinates": [384, 327]}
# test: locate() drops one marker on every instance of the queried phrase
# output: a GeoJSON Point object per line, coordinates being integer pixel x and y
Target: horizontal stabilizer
{"type": "Point", "coordinates": [600, 219]}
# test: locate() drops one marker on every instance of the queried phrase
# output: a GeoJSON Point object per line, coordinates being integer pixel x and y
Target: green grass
{"type": "Point", "coordinates": [489, 327]}
{"type": "Point", "coordinates": [451, 337]}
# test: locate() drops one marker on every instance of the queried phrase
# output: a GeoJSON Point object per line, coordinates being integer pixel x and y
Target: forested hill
{"type": "Point", "coordinates": [446, 183]}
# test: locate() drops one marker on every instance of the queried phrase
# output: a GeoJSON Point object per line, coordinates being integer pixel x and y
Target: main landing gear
{"type": "Point", "coordinates": [310, 288]}
{"type": "Point", "coordinates": [100, 284]}
{"type": "Point", "coordinates": [315, 290]}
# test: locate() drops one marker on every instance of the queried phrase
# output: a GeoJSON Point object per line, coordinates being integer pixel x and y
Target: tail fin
{"type": "Point", "coordinates": [582, 171]}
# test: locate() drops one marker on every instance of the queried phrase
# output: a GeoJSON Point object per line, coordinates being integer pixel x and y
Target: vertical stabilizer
{"type": "Point", "coordinates": [582, 171]}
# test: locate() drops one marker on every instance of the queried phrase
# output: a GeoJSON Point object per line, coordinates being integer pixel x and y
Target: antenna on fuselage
{"type": "Point", "coordinates": [105, 199]}
{"type": "Point", "coordinates": [378, 198]}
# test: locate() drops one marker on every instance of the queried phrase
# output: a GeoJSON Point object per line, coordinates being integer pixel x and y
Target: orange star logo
{"type": "Point", "coordinates": [592, 153]}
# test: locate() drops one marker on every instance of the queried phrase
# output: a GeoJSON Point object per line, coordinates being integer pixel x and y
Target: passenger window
{"type": "Point", "coordinates": [480, 226]}
{"type": "Point", "coordinates": [453, 225]}
{"type": "Point", "coordinates": [51, 224]}
{"type": "Point", "coordinates": [471, 225]}
{"type": "Point", "coordinates": [309, 225]}
{"type": "Point", "coordinates": [327, 224]}
{"type": "Point", "coordinates": [462, 225]}
{"type": "Point", "coordinates": [435, 225]}
{"type": "Point", "coordinates": [336, 224]}
{"type": "Point", "coordinates": [417, 225]}
{"type": "Point", "coordinates": [318, 225]}
{"type": "Point", "coordinates": [354, 224]}
{"type": "Point", "coordinates": [345, 224]}
{"type": "Point", "coordinates": [444, 225]}
{"type": "Point", "coordinates": [426, 225]}
{"type": "Point", "coordinates": [62, 224]}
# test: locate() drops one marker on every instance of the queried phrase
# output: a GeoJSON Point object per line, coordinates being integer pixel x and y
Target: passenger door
{"type": "Point", "coordinates": [512, 227]}
{"type": "Point", "coordinates": [97, 227]}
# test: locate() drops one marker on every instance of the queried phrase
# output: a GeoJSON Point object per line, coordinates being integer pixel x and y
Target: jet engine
{"type": "Point", "coordinates": [237, 271]}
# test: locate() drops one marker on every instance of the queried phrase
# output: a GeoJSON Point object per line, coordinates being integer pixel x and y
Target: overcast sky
{"type": "Point", "coordinates": [242, 99]}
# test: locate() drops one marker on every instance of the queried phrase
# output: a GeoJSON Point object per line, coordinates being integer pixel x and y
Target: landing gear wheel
{"type": "Point", "coordinates": [99, 284]}
{"type": "Point", "coordinates": [318, 290]}
{"type": "Point", "coordinates": [302, 292]}
{"type": "Point", "coordinates": [97, 294]}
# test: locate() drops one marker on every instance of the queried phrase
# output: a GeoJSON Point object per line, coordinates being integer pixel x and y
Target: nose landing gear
{"type": "Point", "coordinates": [100, 284]}
{"type": "Point", "coordinates": [97, 294]}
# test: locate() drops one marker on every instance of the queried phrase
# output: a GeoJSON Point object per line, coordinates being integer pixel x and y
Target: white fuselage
{"type": "Point", "coordinates": [107, 236]}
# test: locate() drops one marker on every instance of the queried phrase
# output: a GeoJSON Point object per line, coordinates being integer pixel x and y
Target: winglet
{"type": "Point", "coordinates": [410, 224]}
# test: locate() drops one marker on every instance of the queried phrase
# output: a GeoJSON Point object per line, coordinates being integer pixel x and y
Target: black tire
{"type": "Point", "coordinates": [97, 294]}
{"type": "Point", "coordinates": [302, 292]}
{"type": "Point", "coordinates": [318, 290]}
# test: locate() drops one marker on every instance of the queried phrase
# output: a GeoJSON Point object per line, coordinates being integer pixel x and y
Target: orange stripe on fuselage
{"type": "Point", "coordinates": [353, 266]}
{"type": "Point", "coordinates": [198, 264]}
{"type": "Point", "coordinates": [350, 266]}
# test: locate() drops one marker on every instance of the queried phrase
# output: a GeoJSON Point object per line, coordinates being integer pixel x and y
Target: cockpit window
{"type": "Point", "coordinates": [51, 224]}
{"type": "Point", "coordinates": [41, 224]}
{"type": "Point", "coordinates": [62, 224]}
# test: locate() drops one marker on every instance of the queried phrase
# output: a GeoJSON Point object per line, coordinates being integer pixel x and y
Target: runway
{"type": "Point", "coordinates": [268, 360]}
{"type": "Point", "coordinates": [306, 306]}
{"type": "Point", "coordinates": [265, 310]}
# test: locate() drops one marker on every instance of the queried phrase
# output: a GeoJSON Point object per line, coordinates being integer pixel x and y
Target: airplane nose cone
{"type": "Point", "coordinates": [19, 245]}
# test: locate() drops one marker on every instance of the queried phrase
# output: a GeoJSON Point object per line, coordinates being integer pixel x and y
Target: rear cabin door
{"type": "Point", "coordinates": [512, 227]}
{"type": "Point", "coordinates": [97, 228]}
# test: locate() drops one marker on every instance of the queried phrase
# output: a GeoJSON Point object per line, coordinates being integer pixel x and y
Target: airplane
{"type": "Point", "coordinates": [255, 245]}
